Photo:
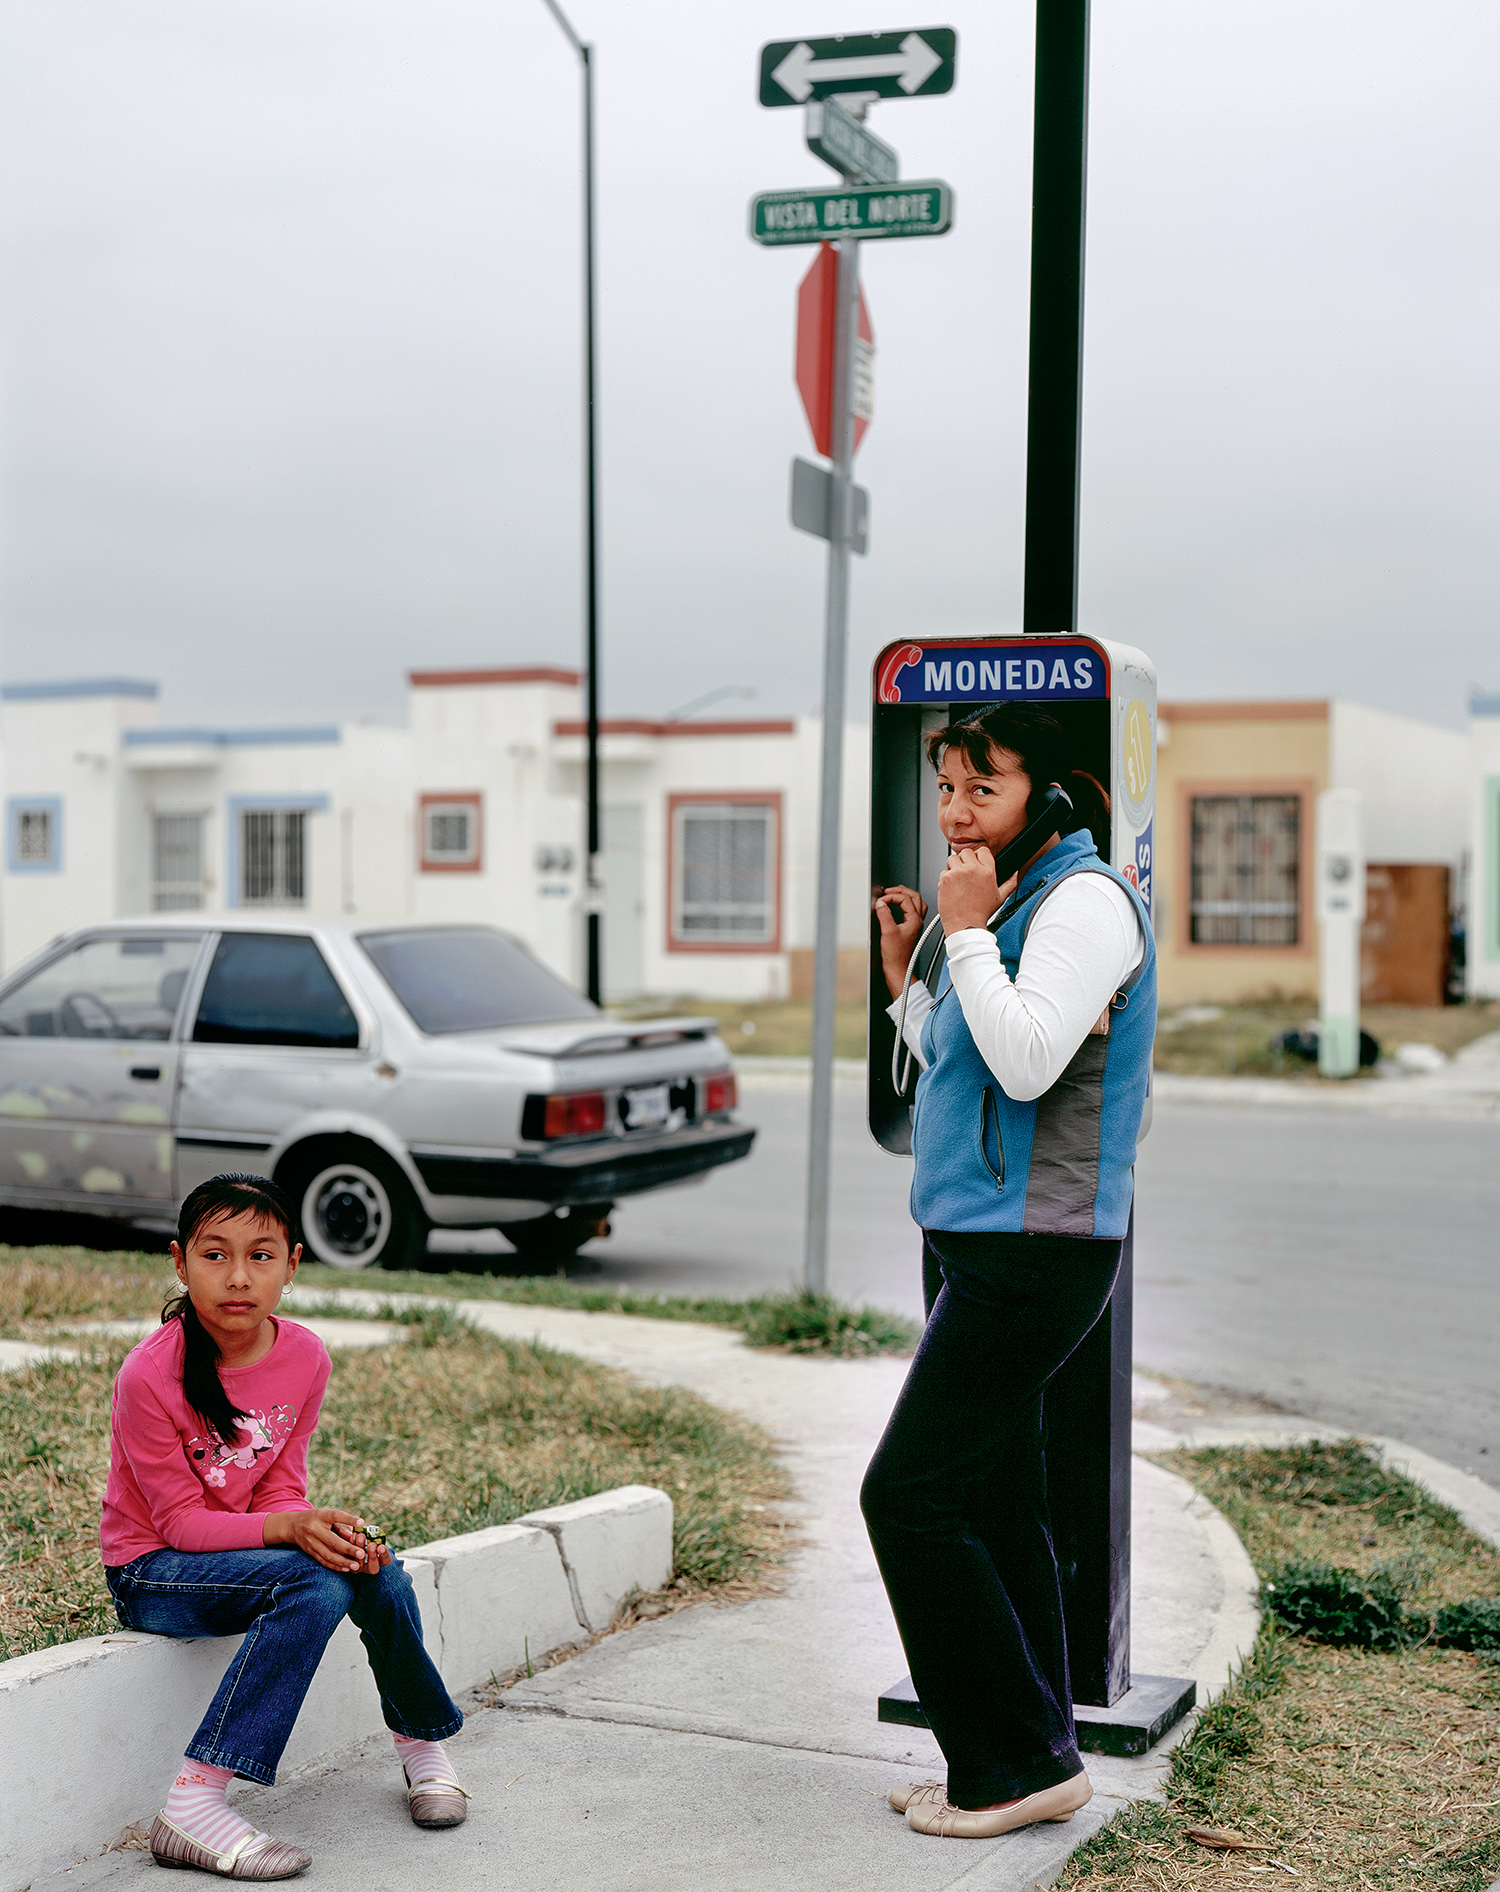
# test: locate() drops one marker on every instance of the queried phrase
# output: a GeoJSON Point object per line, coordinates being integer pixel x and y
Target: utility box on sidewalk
{"type": "Point", "coordinates": [1104, 696]}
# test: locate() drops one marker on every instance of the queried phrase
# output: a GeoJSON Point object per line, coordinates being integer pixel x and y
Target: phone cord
{"type": "Point", "coordinates": [902, 1054]}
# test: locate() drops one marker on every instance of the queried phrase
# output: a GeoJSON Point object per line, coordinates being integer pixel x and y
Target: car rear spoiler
{"type": "Point", "coordinates": [597, 1037]}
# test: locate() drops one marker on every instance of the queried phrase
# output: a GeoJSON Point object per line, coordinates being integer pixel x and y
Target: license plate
{"type": "Point", "coordinates": [648, 1106]}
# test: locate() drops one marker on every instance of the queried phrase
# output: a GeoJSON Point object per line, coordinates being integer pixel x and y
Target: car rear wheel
{"type": "Point", "coordinates": [357, 1210]}
{"type": "Point", "coordinates": [552, 1240]}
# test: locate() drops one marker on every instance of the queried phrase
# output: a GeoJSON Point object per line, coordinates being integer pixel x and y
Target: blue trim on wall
{"type": "Point", "coordinates": [1484, 705]}
{"type": "Point", "coordinates": [238, 805]}
{"type": "Point", "coordinates": [234, 738]}
{"type": "Point", "coordinates": [79, 686]}
{"type": "Point", "coordinates": [13, 808]}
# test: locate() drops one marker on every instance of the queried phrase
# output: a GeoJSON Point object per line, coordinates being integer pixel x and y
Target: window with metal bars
{"type": "Point", "coordinates": [177, 879]}
{"type": "Point", "coordinates": [724, 854]}
{"type": "Point", "coordinates": [273, 857]}
{"type": "Point", "coordinates": [1246, 870]}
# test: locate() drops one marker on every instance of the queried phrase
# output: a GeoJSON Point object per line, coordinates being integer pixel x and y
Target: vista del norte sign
{"type": "Point", "coordinates": [859, 210]}
{"type": "Point", "coordinates": [1052, 669]}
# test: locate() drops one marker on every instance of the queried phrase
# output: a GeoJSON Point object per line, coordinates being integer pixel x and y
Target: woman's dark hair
{"type": "Point", "coordinates": [1037, 740]}
{"type": "Point", "coordinates": [229, 1195]}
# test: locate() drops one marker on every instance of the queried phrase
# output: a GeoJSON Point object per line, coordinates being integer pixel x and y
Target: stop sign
{"type": "Point", "coordinates": [817, 300]}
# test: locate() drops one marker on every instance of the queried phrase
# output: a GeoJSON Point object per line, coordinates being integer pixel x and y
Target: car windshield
{"type": "Point", "coordinates": [470, 978]}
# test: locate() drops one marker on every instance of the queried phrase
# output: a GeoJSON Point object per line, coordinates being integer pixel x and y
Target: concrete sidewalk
{"type": "Point", "coordinates": [736, 1747]}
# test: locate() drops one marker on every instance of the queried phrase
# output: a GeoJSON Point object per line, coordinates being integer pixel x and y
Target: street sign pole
{"type": "Point", "coordinates": [816, 73]}
{"type": "Point", "coordinates": [835, 660]}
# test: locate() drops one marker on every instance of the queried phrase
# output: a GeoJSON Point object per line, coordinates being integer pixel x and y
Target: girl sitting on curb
{"type": "Point", "coordinates": [207, 1531]}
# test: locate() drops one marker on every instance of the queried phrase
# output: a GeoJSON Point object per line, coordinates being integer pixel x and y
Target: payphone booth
{"type": "Point", "coordinates": [1104, 695]}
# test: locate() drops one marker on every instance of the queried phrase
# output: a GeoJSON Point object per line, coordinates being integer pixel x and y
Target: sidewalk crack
{"type": "Point", "coordinates": [554, 1531]}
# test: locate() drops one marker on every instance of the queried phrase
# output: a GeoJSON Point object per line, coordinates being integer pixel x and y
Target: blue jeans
{"type": "Point", "coordinates": [288, 1606]}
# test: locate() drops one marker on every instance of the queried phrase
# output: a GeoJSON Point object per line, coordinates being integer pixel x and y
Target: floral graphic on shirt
{"type": "Point", "coordinates": [261, 1435]}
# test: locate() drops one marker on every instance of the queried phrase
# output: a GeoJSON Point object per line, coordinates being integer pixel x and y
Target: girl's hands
{"type": "Point", "coordinates": [898, 939]}
{"type": "Point", "coordinates": [967, 894]}
{"type": "Point", "coordinates": [335, 1539]}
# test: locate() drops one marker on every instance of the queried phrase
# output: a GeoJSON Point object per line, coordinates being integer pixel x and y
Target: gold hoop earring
{"type": "Point", "coordinates": [286, 1292]}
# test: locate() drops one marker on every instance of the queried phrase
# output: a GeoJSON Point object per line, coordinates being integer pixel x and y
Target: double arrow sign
{"type": "Point", "coordinates": [888, 65]}
{"type": "Point", "coordinates": [813, 72]}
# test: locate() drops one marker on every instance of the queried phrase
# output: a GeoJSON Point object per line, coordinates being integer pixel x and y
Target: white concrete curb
{"type": "Point", "coordinates": [116, 1711]}
{"type": "Point", "coordinates": [1477, 1503]}
{"type": "Point", "coordinates": [1238, 1620]}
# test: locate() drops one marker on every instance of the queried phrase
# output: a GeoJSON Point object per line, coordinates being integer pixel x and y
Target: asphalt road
{"type": "Point", "coordinates": [1343, 1265]}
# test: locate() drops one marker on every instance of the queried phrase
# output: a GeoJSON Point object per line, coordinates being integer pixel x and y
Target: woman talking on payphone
{"type": "Point", "coordinates": [1035, 1048]}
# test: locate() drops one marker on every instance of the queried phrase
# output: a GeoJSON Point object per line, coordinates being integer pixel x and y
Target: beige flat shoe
{"type": "Point", "coordinates": [436, 1802]}
{"type": "Point", "coordinates": [256, 1856]}
{"type": "Point", "coordinates": [948, 1822]}
{"type": "Point", "coordinates": [900, 1798]}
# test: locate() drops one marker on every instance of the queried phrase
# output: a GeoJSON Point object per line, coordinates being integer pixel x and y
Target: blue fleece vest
{"type": "Point", "coordinates": [1061, 1164]}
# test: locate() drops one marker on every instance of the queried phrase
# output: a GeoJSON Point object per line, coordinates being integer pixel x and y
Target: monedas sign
{"type": "Point", "coordinates": [1051, 670]}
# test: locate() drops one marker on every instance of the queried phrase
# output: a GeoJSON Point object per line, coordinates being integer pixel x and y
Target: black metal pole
{"type": "Point", "coordinates": [1055, 405]}
{"type": "Point", "coordinates": [1088, 1452]}
{"type": "Point", "coordinates": [590, 376]}
{"type": "Point", "coordinates": [1087, 1407]}
{"type": "Point", "coordinates": [593, 880]}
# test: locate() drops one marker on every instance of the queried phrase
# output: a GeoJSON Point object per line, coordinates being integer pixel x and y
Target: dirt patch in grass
{"type": "Point", "coordinates": [1238, 1041]}
{"type": "Point", "coordinates": [453, 1431]}
{"type": "Point", "coordinates": [1335, 1504]}
{"type": "Point", "coordinates": [40, 1287]}
{"type": "Point", "coordinates": [1345, 1768]}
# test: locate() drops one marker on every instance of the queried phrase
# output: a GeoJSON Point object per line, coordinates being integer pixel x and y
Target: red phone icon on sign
{"type": "Point", "coordinates": [887, 689]}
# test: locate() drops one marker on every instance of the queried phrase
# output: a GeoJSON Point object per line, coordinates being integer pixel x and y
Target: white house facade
{"type": "Point", "coordinates": [472, 812]}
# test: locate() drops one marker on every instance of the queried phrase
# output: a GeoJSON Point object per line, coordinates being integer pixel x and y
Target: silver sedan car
{"type": "Point", "coordinates": [392, 1079]}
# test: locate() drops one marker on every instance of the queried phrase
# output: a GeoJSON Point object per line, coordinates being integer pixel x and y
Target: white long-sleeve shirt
{"type": "Point", "coordinates": [1083, 945]}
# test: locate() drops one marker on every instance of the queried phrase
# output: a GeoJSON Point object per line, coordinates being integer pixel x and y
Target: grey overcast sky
{"type": "Point", "coordinates": [289, 349]}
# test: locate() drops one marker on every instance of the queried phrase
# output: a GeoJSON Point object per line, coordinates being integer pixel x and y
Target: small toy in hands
{"type": "Point", "coordinates": [374, 1534]}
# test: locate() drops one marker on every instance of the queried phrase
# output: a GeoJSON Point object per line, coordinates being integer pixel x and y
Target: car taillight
{"type": "Point", "coordinates": [719, 1093]}
{"type": "Point", "coordinates": [580, 1115]}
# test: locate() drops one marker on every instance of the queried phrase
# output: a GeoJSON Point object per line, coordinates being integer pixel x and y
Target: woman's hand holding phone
{"type": "Point", "coordinates": [967, 891]}
{"type": "Point", "coordinates": [898, 938]}
{"type": "Point", "coordinates": [332, 1538]}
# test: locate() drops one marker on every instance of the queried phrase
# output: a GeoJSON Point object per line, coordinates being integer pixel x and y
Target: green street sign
{"type": "Point", "coordinates": [924, 208]}
{"type": "Point", "coordinates": [898, 65]}
{"type": "Point", "coordinates": [850, 147]}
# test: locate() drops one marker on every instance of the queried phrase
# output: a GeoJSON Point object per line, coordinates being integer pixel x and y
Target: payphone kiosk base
{"type": "Point", "coordinates": [1138, 1720]}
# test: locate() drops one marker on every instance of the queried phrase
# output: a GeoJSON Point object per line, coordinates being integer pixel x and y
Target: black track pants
{"type": "Point", "coordinates": [956, 1504]}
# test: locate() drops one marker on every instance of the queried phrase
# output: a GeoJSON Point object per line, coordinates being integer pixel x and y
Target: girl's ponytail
{"type": "Point", "coordinates": [233, 1195]}
{"type": "Point", "coordinates": [201, 1385]}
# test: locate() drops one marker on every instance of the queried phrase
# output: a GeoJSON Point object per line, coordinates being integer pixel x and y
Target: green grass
{"type": "Point", "coordinates": [1238, 1043]}
{"type": "Point", "coordinates": [453, 1430]}
{"type": "Point", "coordinates": [41, 1288]}
{"type": "Point", "coordinates": [797, 1323]}
{"type": "Point", "coordinates": [1354, 1769]}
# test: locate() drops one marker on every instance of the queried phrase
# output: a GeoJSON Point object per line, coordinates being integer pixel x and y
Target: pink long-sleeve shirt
{"type": "Point", "coordinates": [173, 1482]}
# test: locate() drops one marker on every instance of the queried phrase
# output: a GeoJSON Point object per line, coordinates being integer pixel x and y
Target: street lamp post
{"type": "Point", "coordinates": [595, 888]}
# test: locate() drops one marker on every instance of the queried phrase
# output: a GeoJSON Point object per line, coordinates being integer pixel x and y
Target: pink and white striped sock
{"type": "Point", "coordinates": [425, 1760]}
{"type": "Point", "coordinates": [196, 1804]}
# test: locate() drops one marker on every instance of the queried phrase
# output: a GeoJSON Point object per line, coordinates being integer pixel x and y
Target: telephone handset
{"type": "Point", "coordinates": [1047, 812]}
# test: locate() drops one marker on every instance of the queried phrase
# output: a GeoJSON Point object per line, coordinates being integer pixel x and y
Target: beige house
{"type": "Point", "coordinates": [1237, 787]}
